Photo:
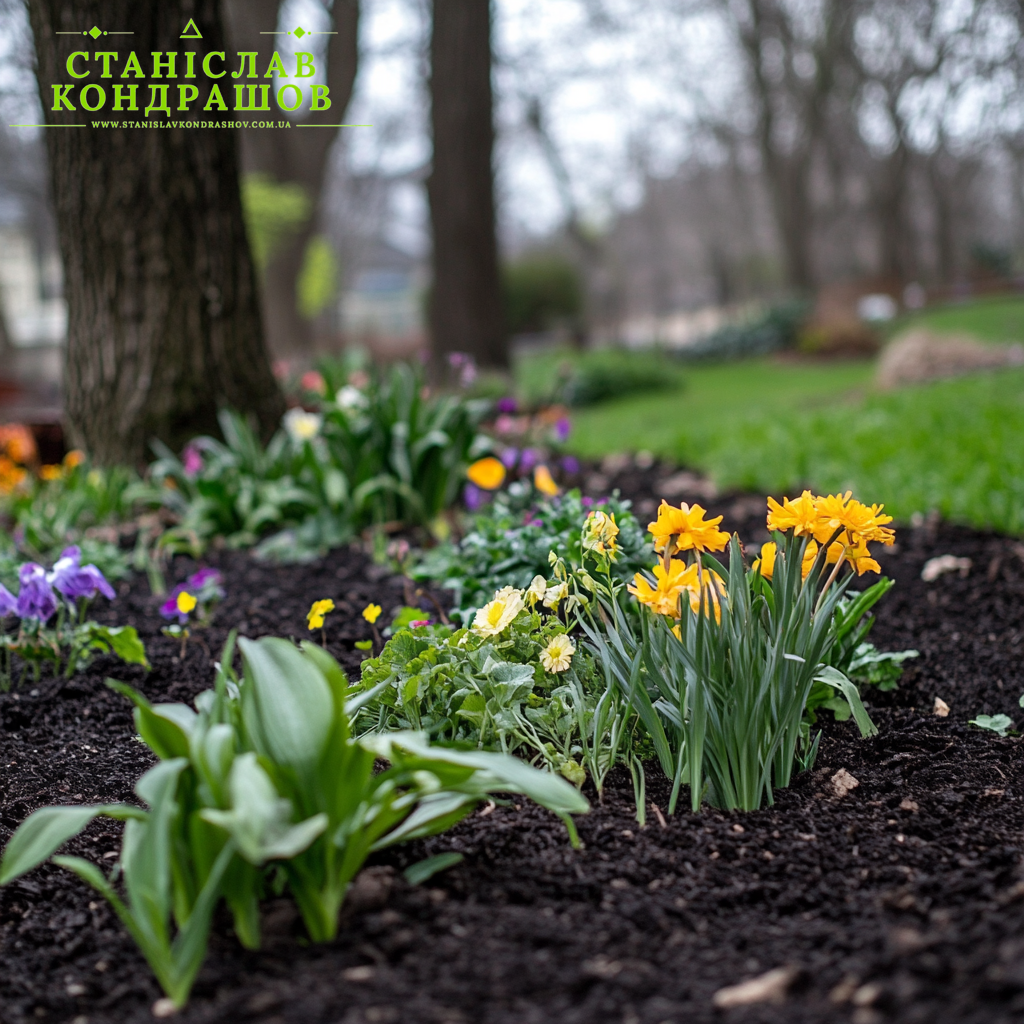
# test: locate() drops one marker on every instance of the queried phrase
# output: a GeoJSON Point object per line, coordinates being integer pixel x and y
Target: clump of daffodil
{"type": "Point", "coordinates": [599, 535]}
{"type": "Point", "coordinates": [557, 656]}
{"type": "Point", "coordinates": [497, 614]}
{"type": "Point", "coordinates": [315, 617]}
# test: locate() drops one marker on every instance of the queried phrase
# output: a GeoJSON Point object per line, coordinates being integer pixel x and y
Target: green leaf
{"type": "Point", "coordinates": [287, 697]}
{"type": "Point", "coordinates": [999, 724]}
{"type": "Point", "coordinates": [40, 835]}
{"type": "Point", "coordinates": [123, 641]}
{"type": "Point", "coordinates": [834, 678]}
{"type": "Point", "coordinates": [418, 873]}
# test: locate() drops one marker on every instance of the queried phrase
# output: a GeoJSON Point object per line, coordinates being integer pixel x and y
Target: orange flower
{"type": "Point", "coordinates": [663, 597]}
{"type": "Point", "coordinates": [800, 515]}
{"type": "Point", "coordinates": [766, 563]}
{"type": "Point", "coordinates": [74, 458]}
{"type": "Point", "coordinates": [714, 586]}
{"type": "Point", "coordinates": [544, 481]}
{"type": "Point", "coordinates": [17, 442]}
{"type": "Point", "coordinates": [50, 472]}
{"type": "Point", "coordinates": [861, 523]}
{"type": "Point", "coordinates": [686, 529]}
{"type": "Point", "coordinates": [11, 475]}
{"type": "Point", "coordinates": [487, 473]}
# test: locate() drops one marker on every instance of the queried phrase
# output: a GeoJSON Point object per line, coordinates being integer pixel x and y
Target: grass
{"type": "Point", "coordinates": [772, 427]}
{"type": "Point", "coordinates": [995, 319]}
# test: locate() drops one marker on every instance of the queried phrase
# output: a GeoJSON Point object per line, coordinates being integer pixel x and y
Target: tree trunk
{"type": "Point", "coordinates": [465, 308]}
{"type": "Point", "coordinates": [295, 156]}
{"type": "Point", "coordinates": [163, 317]}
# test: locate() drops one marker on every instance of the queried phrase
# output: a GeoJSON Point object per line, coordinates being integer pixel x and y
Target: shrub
{"type": "Point", "coordinates": [541, 292]}
{"type": "Point", "coordinates": [771, 331]}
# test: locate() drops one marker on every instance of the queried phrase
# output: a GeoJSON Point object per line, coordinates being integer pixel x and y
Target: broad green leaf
{"type": "Point", "coordinates": [291, 700]}
{"type": "Point", "coordinates": [834, 678]}
{"type": "Point", "coordinates": [418, 873]}
{"type": "Point", "coordinates": [124, 642]}
{"type": "Point", "coordinates": [40, 835]}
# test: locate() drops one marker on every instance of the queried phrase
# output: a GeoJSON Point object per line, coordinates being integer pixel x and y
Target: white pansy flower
{"type": "Point", "coordinates": [302, 425]}
{"type": "Point", "coordinates": [351, 399]}
{"type": "Point", "coordinates": [553, 595]}
{"type": "Point", "coordinates": [538, 587]}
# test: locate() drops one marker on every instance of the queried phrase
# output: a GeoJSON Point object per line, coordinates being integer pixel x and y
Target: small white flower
{"type": "Point", "coordinates": [538, 587]}
{"type": "Point", "coordinates": [302, 425]}
{"type": "Point", "coordinates": [554, 594]}
{"type": "Point", "coordinates": [497, 614]}
{"type": "Point", "coordinates": [558, 653]}
{"type": "Point", "coordinates": [351, 399]}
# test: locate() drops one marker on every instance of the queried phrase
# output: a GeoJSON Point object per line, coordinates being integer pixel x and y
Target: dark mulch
{"type": "Point", "coordinates": [904, 900]}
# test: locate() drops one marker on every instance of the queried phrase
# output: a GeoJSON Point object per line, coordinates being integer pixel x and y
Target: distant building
{"type": "Point", "coordinates": [382, 306]}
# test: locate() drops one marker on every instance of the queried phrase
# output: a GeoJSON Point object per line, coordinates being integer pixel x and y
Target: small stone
{"type": "Point", "coordinates": [867, 994]}
{"type": "Point", "coordinates": [906, 804]}
{"type": "Point", "coordinates": [164, 1008]}
{"type": "Point", "coordinates": [940, 708]}
{"type": "Point", "coordinates": [362, 973]}
{"type": "Point", "coordinates": [76, 988]}
{"type": "Point", "coordinates": [935, 567]}
{"type": "Point", "coordinates": [770, 987]}
{"type": "Point", "coordinates": [738, 828]}
{"type": "Point", "coordinates": [843, 782]}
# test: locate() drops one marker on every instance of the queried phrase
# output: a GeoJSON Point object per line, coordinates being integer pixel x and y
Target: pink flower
{"type": "Point", "coordinates": [192, 461]}
{"type": "Point", "coordinates": [312, 380]}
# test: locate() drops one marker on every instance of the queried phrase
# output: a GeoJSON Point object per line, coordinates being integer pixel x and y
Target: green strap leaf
{"type": "Point", "coordinates": [834, 678]}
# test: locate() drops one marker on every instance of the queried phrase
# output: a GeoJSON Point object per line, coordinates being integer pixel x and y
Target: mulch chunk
{"type": "Point", "coordinates": [902, 900]}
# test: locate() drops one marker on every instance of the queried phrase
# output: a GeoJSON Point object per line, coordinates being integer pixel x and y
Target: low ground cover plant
{"type": "Point", "coordinates": [46, 622]}
{"type": "Point", "coordinates": [263, 788]}
{"type": "Point", "coordinates": [508, 544]}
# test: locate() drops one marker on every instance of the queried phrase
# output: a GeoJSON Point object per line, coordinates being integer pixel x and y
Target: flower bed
{"type": "Point", "coordinates": [899, 900]}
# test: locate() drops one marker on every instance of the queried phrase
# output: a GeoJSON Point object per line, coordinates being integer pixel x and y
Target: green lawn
{"type": "Point", "coordinates": [995, 319]}
{"type": "Point", "coordinates": [771, 426]}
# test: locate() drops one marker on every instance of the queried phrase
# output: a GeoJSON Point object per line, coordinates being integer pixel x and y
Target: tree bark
{"type": "Point", "coordinates": [163, 317]}
{"type": "Point", "coordinates": [300, 157]}
{"type": "Point", "coordinates": [465, 308]}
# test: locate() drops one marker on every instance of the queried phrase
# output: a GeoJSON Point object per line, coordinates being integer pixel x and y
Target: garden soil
{"type": "Point", "coordinates": [902, 900]}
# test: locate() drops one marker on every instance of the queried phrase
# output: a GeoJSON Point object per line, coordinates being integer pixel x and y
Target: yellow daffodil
{"type": "Point", "coordinates": [555, 594]}
{"type": "Point", "coordinates": [799, 515]}
{"type": "Point", "coordinates": [497, 614]}
{"type": "Point", "coordinates": [185, 602]}
{"type": "Point", "coordinates": [50, 472]}
{"type": "Point", "coordinates": [766, 563]}
{"type": "Point", "coordinates": [686, 529]}
{"type": "Point", "coordinates": [599, 534]}
{"type": "Point", "coordinates": [487, 473]}
{"type": "Point", "coordinates": [714, 586]}
{"type": "Point", "coordinates": [544, 481]}
{"type": "Point", "coordinates": [538, 587]}
{"type": "Point", "coordinates": [302, 425]}
{"type": "Point", "coordinates": [663, 597]}
{"type": "Point", "coordinates": [558, 654]}
{"type": "Point", "coordinates": [371, 613]}
{"type": "Point", "coordinates": [315, 618]}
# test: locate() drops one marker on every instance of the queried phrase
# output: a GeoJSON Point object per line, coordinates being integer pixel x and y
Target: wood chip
{"type": "Point", "coordinates": [361, 973]}
{"type": "Point", "coordinates": [164, 1008]}
{"type": "Point", "coordinates": [770, 987]}
{"type": "Point", "coordinates": [940, 708]}
{"type": "Point", "coordinates": [843, 782]}
{"type": "Point", "coordinates": [936, 567]}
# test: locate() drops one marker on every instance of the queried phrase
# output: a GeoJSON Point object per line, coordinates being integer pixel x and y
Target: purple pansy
{"type": "Point", "coordinates": [528, 460]}
{"type": "Point", "coordinates": [473, 497]}
{"type": "Point", "coordinates": [571, 464]}
{"type": "Point", "coordinates": [73, 580]}
{"type": "Point", "coordinates": [35, 596]}
{"type": "Point", "coordinates": [508, 457]}
{"type": "Point", "coordinates": [8, 602]}
{"type": "Point", "coordinates": [507, 405]}
{"type": "Point", "coordinates": [562, 428]}
{"type": "Point", "coordinates": [204, 585]}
